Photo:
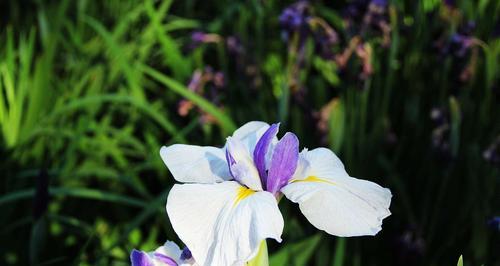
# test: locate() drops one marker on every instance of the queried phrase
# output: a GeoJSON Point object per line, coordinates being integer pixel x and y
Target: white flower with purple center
{"type": "Point", "coordinates": [167, 255]}
{"type": "Point", "coordinates": [230, 202]}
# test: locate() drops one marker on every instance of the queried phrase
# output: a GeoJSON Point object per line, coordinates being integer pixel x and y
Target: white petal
{"type": "Point", "coordinates": [302, 166]}
{"type": "Point", "coordinates": [250, 133]}
{"type": "Point", "coordinates": [170, 249]}
{"type": "Point", "coordinates": [249, 129]}
{"type": "Point", "coordinates": [336, 203]}
{"type": "Point", "coordinates": [244, 170]}
{"type": "Point", "coordinates": [320, 162]}
{"type": "Point", "coordinates": [219, 224]}
{"type": "Point", "coordinates": [196, 164]}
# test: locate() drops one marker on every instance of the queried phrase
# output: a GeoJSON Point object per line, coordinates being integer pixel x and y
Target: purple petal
{"type": "Point", "coordinates": [186, 254]}
{"type": "Point", "coordinates": [140, 258]}
{"type": "Point", "coordinates": [230, 161]}
{"type": "Point", "coordinates": [260, 151]}
{"type": "Point", "coordinates": [283, 162]}
{"type": "Point", "coordinates": [165, 259]}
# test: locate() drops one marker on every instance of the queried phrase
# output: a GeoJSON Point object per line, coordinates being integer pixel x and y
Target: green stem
{"type": "Point", "coordinates": [261, 259]}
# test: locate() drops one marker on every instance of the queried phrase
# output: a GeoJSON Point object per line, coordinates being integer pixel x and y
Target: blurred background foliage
{"type": "Point", "coordinates": [406, 92]}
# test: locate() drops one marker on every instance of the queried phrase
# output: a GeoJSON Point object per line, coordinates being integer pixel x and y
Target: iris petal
{"type": "Point", "coordinates": [165, 259]}
{"type": "Point", "coordinates": [140, 258]}
{"type": "Point", "coordinates": [261, 149]}
{"type": "Point", "coordinates": [218, 231]}
{"type": "Point", "coordinates": [241, 164]}
{"type": "Point", "coordinates": [283, 162]}
{"type": "Point", "coordinates": [333, 201]}
{"type": "Point", "coordinates": [230, 161]}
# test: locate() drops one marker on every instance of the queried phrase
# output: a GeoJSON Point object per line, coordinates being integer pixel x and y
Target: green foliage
{"type": "Point", "coordinates": [297, 253]}
{"type": "Point", "coordinates": [90, 91]}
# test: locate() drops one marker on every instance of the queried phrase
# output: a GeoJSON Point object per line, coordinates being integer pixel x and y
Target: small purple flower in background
{"type": "Point", "coordinates": [492, 153]}
{"type": "Point", "coordinates": [459, 45]}
{"type": "Point", "coordinates": [298, 19]}
{"type": "Point", "coordinates": [379, 3]}
{"type": "Point", "coordinates": [295, 19]}
{"type": "Point", "coordinates": [441, 132]}
{"type": "Point", "coordinates": [410, 247]}
{"type": "Point", "coordinates": [234, 46]}
{"type": "Point", "coordinates": [365, 18]}
{"type": "Point", "coordinates": [461, 42]}
{"type": "Point", "coordinates": [355, 10]}
{"type": "Point", "coordinates": [199, 37]}
{"type": "Point", "coordinates": [206, 83]}
{"type": "Point", "coordinates": [325, 37]}
{"type": "Point", "coordinates": [494, 223]}
{"type": "Point", "coordinates": [462, 46]}
{"type": "Point", "coordinates": [299, 23]}
{"type": "Point", "coordinates": [450, 3]}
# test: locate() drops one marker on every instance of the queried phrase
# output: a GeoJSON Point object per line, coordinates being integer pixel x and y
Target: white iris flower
{"type": "Point", "coordinates": [229, 202]}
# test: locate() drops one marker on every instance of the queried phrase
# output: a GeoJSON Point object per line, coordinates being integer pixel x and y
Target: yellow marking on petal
{"type": "Point", "coordinates": [243, 193]}
{"type": "Point", "coordinates": [313, 178]}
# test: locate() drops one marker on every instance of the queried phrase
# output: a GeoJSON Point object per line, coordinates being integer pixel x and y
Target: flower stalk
{"type": "Point", "coordinates": [262, 258]}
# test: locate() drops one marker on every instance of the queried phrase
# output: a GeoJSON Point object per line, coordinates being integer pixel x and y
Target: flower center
{"type": "Point", "coordinates": [243, 193]}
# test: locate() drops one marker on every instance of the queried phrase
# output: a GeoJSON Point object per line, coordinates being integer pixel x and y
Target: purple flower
{"type": "Point", "coordinates": [461, 42]}
{"type": "Point", "coordinates": [380, 3]}
{"type": "Point", "coordinates": [198, 37]}
{"type": "Point", "coordinates": [234, 45]}
{"type": "Point", "coordinates": [355, 10]}
{"type": "Point", "coordinates": [450, 3]}
{"type": "Point", "coordinates": [206, 83]}
{"type": "Point", "coordinates": [441, 132]}
{"type": "Point", "coordinates": [295, 16]}
{"type": "Point", "coordinates": [364, 17]}
{"type": "Point", "coordinates": [494, 223]}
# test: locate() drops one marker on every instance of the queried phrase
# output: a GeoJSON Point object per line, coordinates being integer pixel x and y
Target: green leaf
{"type": "Point", "coordinates": [455, 125]}
{"type": "Point", "coordinates": [92, 101]}
{"type": "Point", "coordinates": [338, 259]}
{"type": "Point", "coordinates": [328, 70]}
{"type": "Point", "coordinates": [179, 64]}
{"type": "Point", "coordinates": [460, 261]}
{"type": "Point", "coordinates": [85, 193]}
{"type": "Point", "coordinates": [296, 253]}
{"type": "Point", "coordinates": [118, 54]}
{"type": "Point", "coordinates": [37, 240]}
{"type": "Point", "coordinates": [337, 124]}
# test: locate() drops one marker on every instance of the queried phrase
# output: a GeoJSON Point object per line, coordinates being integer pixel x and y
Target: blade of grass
{"type": "Point", "coordinates": [155, 206]}
{"type": "Point", "coordinates": [123, 99]}
{"type": "Point", "coordinates": [84, 193]}
{"type": "Point", "coordinates": [179, 64]}
{"type": "Point", "coordinates": [225, 121]}
{"type": "Point", "coordinates": [118, 55]}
